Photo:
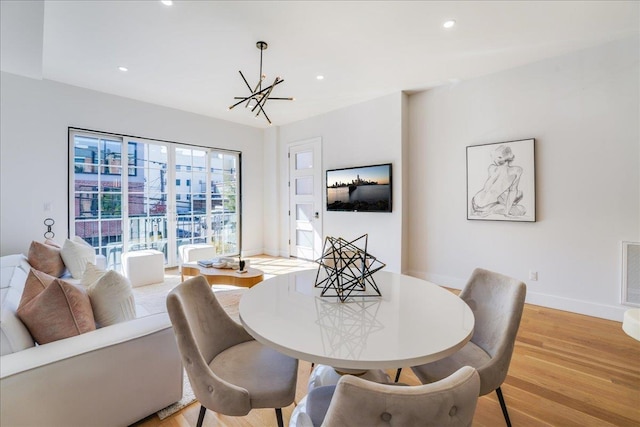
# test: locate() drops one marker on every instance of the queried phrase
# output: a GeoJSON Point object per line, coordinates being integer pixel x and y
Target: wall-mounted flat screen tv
{"type": "Point", "coordinates": [359, 189]}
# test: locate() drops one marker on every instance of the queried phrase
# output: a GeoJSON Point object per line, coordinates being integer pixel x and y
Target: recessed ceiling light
{"type": "Point", "coordinates": [320, 77]}
{"type": "Point", "coordinates": [123, 69]}
{"type": "Point", "coordinates": [167, 2]}
{"type": "Point", "coordinates": [449, 24]}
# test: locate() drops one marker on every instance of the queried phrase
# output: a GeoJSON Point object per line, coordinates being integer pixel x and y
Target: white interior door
{"type": "Point", "coordinates": [305, 199]}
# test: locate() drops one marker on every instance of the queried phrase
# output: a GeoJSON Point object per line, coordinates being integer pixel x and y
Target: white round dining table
{"type": "Point", "coordinates": [411, 323]}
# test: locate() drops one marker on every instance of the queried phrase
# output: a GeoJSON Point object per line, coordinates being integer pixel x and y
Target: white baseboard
{"type": "Point", "coordinates": [284, 253]}
{"type": "Point", "coordinates": [251, 252]}
{"type": "Point", "coordinates": [603, 311]}
{"type": "Point", "coordinates": [588, 308]}
{"type": "Point", "coordinates": [265, 251]}
{"type": "Point", "coordinates": [270, 251]}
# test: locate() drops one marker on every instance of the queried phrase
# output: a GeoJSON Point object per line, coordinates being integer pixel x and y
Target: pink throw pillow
{"type": "Point", "coordinates": [36, 282]}
{"type": "Point", "coordinates": [59, 311]}
{"type": "Point", "coordinates": [46, 258]}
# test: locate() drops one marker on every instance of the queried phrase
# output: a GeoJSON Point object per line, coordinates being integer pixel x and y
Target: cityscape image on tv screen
{"type": "Point", "coordinates": [362, 189]}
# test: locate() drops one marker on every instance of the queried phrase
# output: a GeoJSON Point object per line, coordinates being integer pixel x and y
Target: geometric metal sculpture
{"type": "Point", "coordinates": [258, 95]}
{"type": "Point", "coordinates": [347, 269]}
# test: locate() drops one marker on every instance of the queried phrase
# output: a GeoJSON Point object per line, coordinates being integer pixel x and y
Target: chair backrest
{"type": "Point", "coordinates": [203, 329]}
{"type": "Point", "coordinates": [497, 302]}
{"type": "Point", "coordinates": [448, 402]}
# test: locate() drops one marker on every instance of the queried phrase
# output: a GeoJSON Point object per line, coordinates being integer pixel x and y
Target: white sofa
{"type": "Point", "coordinates": [113, 376]}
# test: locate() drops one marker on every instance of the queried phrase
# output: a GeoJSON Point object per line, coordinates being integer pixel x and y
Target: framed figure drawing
{"type": "Point", "coordinates": [501, 181]}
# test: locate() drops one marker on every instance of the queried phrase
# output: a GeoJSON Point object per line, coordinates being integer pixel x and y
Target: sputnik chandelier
{"type": "Point", "coordinates": [259, 95]}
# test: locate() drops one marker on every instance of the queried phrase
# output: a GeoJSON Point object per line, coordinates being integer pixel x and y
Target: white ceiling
{"type": "Point", "coordinates": [187, 56]}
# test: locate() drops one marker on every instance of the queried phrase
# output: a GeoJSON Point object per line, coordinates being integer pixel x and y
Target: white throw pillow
{"type": "Point", "coordinates": [112, 299]}
{"type": "Point", "coordinates": [76, 253]}
{"type": "Point", "coordinates": [91, 274]}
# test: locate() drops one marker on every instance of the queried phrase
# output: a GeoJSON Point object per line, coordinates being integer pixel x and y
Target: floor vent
{"type": "Point", "coordinates": [631, 273]}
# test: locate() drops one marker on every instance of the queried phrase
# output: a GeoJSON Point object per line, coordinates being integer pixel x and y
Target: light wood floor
{"type": "Point", "coordinates": [567, 370]}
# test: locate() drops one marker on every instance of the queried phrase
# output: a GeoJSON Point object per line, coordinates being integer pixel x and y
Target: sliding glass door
{"type": "Point", "coordinates": [131, 194]}
{"type": "Point", "coordinates": [191, 196]}
{"type": "Point", "coordinates": [147, 197]}
{"type": "Point", "coordinates": [224, 202]}
{"type": "Point", "coordinates": [96, 185]}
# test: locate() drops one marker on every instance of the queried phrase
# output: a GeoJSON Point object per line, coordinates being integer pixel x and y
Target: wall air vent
{"type": "Point", "coordinates": [631, 273]}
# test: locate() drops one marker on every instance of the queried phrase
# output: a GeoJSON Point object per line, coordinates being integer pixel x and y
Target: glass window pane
{"type": "Point", "coordinates": [111, 157]}
{"type": "Point", "coordinates": [151, 156]}
{"type": "Point", "coordinates": [304, 160]}
{"type": "Point", "coordinates": [86, 182]}
{"type": "Point", "coordinates": [157, 203]}
{"type": "Point", "coordinates": [183, 204]}
{"type": "Point", "coordinates": [136, 204]}
{"type": "Point", "coordinates": [111, 229]}
{"type": "Point", "coordinates": [199, 160]}
{"type": "Point", "coordinates": [85, 154]}
{"type": "Point", "coordinates": [304, 186]}
{"type": "Point", "coordinates": [137, 180]}
{"type": "Point", "coordinates": [156, 180]}
{"type": "Point", "coordinates": [132, 158]}
{"type": "Point", "coordinates": [304, 238]}
{"type": "Point", "coordinates": [199, 183]}
{"type": "Point", "coordinates": [111, 205]}
{"type": "Point", "coordinates": [111, 183]}
{"type": "Point", "coordinates": [86, 204]}
{"type": "Point", "coordinates": [304, 212]}
{"type": "Point", "coordinates": [157, 154]}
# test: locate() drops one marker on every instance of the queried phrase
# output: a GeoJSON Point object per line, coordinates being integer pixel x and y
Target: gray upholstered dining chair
{"type": "Point", "coordinates": [497, 302]}
{"type": "Point", "coordinates": [358, 402]}
{"type": "Point", "coordinates": [229, 371]}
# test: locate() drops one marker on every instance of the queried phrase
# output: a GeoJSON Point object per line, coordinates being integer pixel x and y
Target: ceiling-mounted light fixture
{"type": "Point", "coordinates": [259, 96]}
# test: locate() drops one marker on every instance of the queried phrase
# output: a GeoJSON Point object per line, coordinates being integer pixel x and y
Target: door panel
{"type": "Point", "coordinates": [305, 199]}
{"type": "Point", "coordinates": [147, 198]}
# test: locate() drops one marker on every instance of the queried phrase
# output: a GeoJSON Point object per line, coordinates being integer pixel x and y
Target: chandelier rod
{"type": "Point", "coordinates": [260, 76]}
{"type": "Point", "coordinates": [262, 46]}
{"type": "Point", "coordinates": [242, 99]}
{"type": "Point", "coordinates": [260, 95]}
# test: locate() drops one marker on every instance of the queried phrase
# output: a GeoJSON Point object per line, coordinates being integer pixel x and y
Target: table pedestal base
{"type": "Point", "coordinates": [326, 375]}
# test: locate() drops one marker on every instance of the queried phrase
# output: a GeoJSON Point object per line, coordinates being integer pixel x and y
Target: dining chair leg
{"type": "Point", "coordinates": [203, 411]}
{"type": "Point", "coordinates": [503, 405]}
{"type": "Point", "coordinates": [279, 417]}
{"type": "Point", "coordinates": [398, 374]}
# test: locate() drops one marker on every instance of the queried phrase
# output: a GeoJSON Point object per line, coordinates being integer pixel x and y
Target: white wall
{"type": "Point", "coordinates": [35, 115]}
{"type": "Point", "coordinates": [359, 135]}
{"type": "Point", "coordinates": [271, 221]}
{"type": "Point", "coordinates": [583, 111]}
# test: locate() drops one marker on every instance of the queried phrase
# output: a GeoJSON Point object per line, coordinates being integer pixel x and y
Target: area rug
{"type": "Point", "coordinates": [229, 299]}
{"type": "Point", "coordinates": [187, 399]}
